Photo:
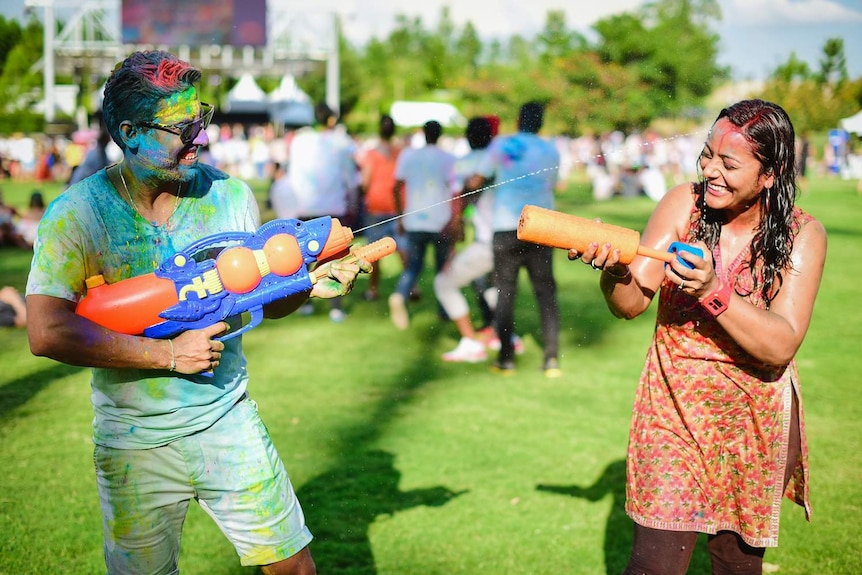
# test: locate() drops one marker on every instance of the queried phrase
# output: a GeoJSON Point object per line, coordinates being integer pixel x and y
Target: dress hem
{"type": "Point", "coordinates": [708, 528]}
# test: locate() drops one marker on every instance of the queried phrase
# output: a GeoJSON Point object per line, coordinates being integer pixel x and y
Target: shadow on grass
{"type": "Point", "coordinates": [18, 392]}
{"type": "Point", "coordinates": [619, 530]}
{"type": "Point", "coordinates": [341, 504]}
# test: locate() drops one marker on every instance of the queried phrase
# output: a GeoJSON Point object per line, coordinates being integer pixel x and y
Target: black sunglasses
{"type": "Point", "coordinates": [187, 131]}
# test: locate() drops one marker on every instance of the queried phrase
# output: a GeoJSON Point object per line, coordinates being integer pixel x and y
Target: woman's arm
{"type": "Point", "coordinates": [773, 336]}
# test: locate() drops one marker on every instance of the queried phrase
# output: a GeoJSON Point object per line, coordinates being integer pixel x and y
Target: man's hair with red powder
{"type": "Point", "coordinates": [139, 83]}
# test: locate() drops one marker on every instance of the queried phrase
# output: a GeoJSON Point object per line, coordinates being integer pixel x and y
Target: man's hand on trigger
{"type": "Point", "coordinates": [196, 351]}
{"type": "Point", "coordinates": [339, 279]}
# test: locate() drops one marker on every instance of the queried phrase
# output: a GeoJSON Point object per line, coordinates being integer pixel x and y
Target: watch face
{"type": "Point", "coordinates": [715, 305]}
{"type": "Point", "coordinates": [718, 301]}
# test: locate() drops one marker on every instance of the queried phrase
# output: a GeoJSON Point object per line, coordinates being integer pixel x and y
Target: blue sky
{"type": "Point", "coordinates": [756, 35]}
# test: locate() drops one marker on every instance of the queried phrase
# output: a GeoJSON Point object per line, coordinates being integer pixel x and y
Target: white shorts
{"type": "Point", "coordinates": [231, 469]}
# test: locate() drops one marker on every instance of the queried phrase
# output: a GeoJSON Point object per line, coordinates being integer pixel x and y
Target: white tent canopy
{"type": "Point", "coordinates": [853, 124]}
{"type": "Point", "coordinates": [417, 113]}
{"type": "Point", "coordinates": [246, 97]}
{"type": "Point", "coordinates": [289, 105]}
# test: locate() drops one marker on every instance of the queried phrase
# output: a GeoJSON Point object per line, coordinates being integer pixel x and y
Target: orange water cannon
{"type": "Point", "coordinates": [560, 230]}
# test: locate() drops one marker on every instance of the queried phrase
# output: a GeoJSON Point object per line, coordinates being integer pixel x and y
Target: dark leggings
{"type": "Point", "coordinates": [659, 552]}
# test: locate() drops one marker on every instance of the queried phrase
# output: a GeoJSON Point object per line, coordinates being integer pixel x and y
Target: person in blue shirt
{"type": "Point", "coordinates": [525, 170]}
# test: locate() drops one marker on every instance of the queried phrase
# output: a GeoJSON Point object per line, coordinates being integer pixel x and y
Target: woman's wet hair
{"type": "Point", "coordinates": [770, 133]}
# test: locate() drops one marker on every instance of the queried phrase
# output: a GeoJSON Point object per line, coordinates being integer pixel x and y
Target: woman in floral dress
{"type": "Point", "coordinates": [718, 434]}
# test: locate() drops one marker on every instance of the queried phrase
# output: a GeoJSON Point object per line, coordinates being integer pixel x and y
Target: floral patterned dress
{"type": "Point", "coordinates": [710, 429]}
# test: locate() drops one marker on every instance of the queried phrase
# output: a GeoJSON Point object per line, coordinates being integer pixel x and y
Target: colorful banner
{"type": "Point", "coordinates": [194, 22]}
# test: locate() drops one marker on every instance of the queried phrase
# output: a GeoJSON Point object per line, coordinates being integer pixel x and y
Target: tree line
{"type": "Point", "coordinates": [656, 64]}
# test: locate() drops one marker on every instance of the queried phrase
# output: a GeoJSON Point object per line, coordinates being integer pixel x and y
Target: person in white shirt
{"type": "Point", "coordinates": [323, 178]}
{"type": "Point", "coordinates": [427, 177]}
{"type": "Point", "coordinates": [475, 261]}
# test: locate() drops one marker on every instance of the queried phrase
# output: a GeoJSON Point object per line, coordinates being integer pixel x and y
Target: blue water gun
{"type": "Point", "coordinates": [256, 269]}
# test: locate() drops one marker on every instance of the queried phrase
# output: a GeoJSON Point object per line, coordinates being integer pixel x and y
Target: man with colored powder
{"type": "Point", "coordinates": [173, 421]}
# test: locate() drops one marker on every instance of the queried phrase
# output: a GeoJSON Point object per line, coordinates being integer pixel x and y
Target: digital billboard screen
{"type": "Point", "coordinates": [194, 22]}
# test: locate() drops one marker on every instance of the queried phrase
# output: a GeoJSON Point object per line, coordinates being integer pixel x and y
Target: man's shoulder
{"type": "Point", "coordinates": [83, 190]}
{"type": "Point", "coordinates": [550, 146]}
{"type": "Point", "coordinates": [472, 156]}
{"type": "Point", "coordinates": [434, 151]}
{"type": "Point", "coordinates": [538, 142]}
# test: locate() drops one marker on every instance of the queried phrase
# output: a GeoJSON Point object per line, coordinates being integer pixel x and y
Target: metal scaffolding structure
{"type": "Point", "coordinates": [298, 37]}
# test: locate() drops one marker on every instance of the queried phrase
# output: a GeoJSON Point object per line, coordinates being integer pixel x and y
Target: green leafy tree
{"type": "Point", "coordinates": [20, 87]}
{"type": "Point", "coordinates": [10, 36]}
{"type": "Point", "coordinates": [468, 49]}
{"type": "Point", "coordinates": [793, 69]}
{"type": "Point", "coordinates": [556, 40]}
{"type": "Point", "coordinates": [833, 65]}
{"type": "Point", "coordinates": [657, 62]}
{"type": "Point", "coordinates": [521, 53]}
{"type": "Point", "coordinates": [669, 46]}
{"type": "Point", "coordinates": [623, 39]}
{"type": "Point", "coordinates": [350, 73]}
{"type": "Point", "coordinates": [405, 50]}
{"type": "Point", "coordinates": [436, 53]}
{"type": "Point", "coordinates": [815, 101]}
{"type": "Point", "coordinates": [598, 96]}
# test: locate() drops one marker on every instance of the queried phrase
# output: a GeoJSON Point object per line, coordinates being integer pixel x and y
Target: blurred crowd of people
{"type": "Point", "coordinates": [617, 164]}
{"type": "Point", "coordinates": [431, 191]}
{"type": "Point", "coordinates": [323, 170]}
{"type": "Point", "coordinates": [18, 227]}
{"type": "Point", "coordinates": [256, 151]}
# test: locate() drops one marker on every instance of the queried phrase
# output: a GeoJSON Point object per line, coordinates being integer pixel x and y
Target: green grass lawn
{"type": "Point", "coordinates": [409, 466]}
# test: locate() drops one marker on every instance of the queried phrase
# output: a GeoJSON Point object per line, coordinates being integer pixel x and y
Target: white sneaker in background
{"type": "Point", "coordinates": [398, 311]}
{"type": "Point", "coordinates": [468, 350]}
{"type": "Point", "coordinates": [518, 344]}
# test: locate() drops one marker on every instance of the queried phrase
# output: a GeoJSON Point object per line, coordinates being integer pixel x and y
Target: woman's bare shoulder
{"type": "Point", "coordinates": [675, 207]}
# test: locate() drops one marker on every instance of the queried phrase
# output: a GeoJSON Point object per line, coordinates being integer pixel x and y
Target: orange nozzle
{"type": "Point", "coordinates": [128, 306]}
{"type": "Point", "coordinates": [338, 241]}
{"type": "Point", "coordinates": [369, 252]}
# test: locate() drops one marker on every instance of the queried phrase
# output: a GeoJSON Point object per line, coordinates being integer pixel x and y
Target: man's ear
{"type": "Point", "coordinates": [129, 135]}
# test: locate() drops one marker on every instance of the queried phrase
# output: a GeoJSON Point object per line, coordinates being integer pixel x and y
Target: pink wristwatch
{"type": "Point", "coordinates": [717, 301]}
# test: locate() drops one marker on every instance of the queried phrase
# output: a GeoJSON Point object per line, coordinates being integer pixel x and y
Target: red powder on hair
{"type": "Point", "coordinates": [170, 73]}
{"type": "Point", "coordinates": [167, 75]}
